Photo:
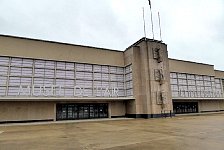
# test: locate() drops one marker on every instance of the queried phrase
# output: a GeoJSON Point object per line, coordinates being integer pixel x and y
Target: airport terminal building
{"type": "Point", "coordinates": [50, 81]}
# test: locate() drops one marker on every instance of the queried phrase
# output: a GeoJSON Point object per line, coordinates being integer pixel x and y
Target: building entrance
{"type": "Point", "coordinates": [185, 107]}
{"type": "Point", "coordinates": [81, 111]}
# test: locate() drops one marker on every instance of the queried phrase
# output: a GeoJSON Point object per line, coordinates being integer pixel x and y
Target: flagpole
{"type": "Point", "coordinates": [151, 19]}
{"type": "Point", "coordinates": [160, 27]}
{"type": "Point", "coordinates": [143, 13]}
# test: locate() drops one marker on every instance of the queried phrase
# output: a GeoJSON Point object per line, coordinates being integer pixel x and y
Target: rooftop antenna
{"type": "Point", "coordinates": [151, 18]}
{"type": "Point", "coordinates": [143, 13]}
{"type": "Point", "coordinates": [160, 28]}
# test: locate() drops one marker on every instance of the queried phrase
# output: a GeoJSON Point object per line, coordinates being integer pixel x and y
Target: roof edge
{"type": "Point", "coordinates": [191, 62]}
{"type": "Point", "coordinates": [55, 42]}
{"type": "Point", "coordinates": [144, 39]}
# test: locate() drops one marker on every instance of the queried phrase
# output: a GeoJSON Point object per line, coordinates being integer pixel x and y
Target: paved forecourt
{"type": "Point", "coordinates": [184, 132]}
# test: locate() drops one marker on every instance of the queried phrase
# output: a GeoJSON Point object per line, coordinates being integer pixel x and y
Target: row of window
{"type": "Point", "coordinates": [17, 72]}
{"type": "Point", "coordinates": [58, 65]}
{"type": "Point", "coordinates": [48, 73]}
{"type": "Point", "coordinates": [195, 82]}
{"type": "Point", "coordinates": [189, 85]}
{"type": "Point", "coordinates": [174, 75]}
{"type": "Point", "coordinates": [17, 81]}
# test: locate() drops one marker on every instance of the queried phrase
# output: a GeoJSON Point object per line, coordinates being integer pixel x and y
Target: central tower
{"type": "Point", "coordinates": [151, 79]}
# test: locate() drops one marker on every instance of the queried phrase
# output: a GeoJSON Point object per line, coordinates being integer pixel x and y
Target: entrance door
{"type": "Point", "coordinates": [81, 111]}
{"type": "Point", "coordinates": [185, 107]}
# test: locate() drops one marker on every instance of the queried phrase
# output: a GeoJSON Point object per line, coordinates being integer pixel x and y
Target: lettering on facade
{"type": "Point", "coordinates": [57, 91]}
{"type": "Point", "coordinates": [157, 54]}
{"type": "Point", "coordinates": [187, 93]}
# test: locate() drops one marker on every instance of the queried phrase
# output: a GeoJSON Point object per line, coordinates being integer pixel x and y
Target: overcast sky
{"type": "Point", "coordinates": [192, 29]}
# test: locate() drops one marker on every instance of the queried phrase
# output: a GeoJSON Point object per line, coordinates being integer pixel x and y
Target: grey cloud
{"type": "Point", "coordinates": [97, 23]}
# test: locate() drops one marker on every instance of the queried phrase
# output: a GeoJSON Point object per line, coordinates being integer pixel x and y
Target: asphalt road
{"type": "Point", "coordinates": [180, 133]}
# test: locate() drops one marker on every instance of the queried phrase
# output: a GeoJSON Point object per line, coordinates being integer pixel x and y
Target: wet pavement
{"type": "Point", "coordinates": [180, 133]}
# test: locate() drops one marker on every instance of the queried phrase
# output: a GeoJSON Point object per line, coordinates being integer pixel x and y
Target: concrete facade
{"type": "Point", "coordinates": [145, 87]}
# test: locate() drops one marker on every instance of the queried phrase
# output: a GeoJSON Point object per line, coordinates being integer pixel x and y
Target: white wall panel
{"type": "Point", "coordinates": [183, 88]}
{"type": "Point", "coordinates": [80, 67]}
{"type": "Point", "coordinates": [3, 70]}
{"type": "Point", "coordinates": [191, 82]}
{"type": "Point", "coordinates": [80, 83]}
{"type": "Point", "coordinates": [182, 75]}
{"type": "Point", "coordinates": [174, 87]}
{"type": "Point", "coordinates": [80, 75]}
{"type": "Point", "coordinates": [113, 84]}
{"type": "Point", "coordinates": [128, 69]}
{"type": "Point", "coordinates": [49, 73]}
{"type": "Point", "coordinates": [97, 84]}
{"type": "Point", "coordinates": [70, 66]}
{"type": "Point", "coordinates": [26, 81]}
{"type": "Point", "coordinates": [113, 70]}
{"type": "Point", "coordinates": [128, 77]}
{"type": "Point", "coordinates": [175, 94]}
{"type": "Point", "coordinates": [39, 72]}
{"type": "Point", "coordinates": [105, 69]}
{"type": "Point", "coordinates": [39, 64]}
{"type": "Point", "coordinates": [4, 61]}
{"type": "Point", "coordinates": [207, 78]}
{"type": "Point", "coordinates": [218, 86]}
{"type": "Point", "coordinates": [14, 81]}
{"type": "Point", "coordinates": [70, 75]}
{"type": "Point", "coordinates": [105, 76]}
{"type": "Point", "coordinates": [88, 68]}
{"type": "Point", "coordinates": [38, 81]}
{"type": "Point", "coordinates": [217, 81]}
{"type": "Point", "coordinates": [207, 83]}
{"type": "Point", "coordinates": [88, 76]}
{"type": "Point", "coordinates": [60, 73]}
{"type": "Point", "coordinates": [69, 83]}
{"type": "Point", "coordinates": [173, 75]}
{"type": "Point", "coordinates": [120, 70]}
{"type": "Point", "coordinates": [113, 77]}
{"type": "Point", "coordinates": [200, 88]}
{"type": "Point", "coordinates": [191, 76]}
{"type": "Point", "coordinates": [48, 82]}
{"type": "Point", "coordinates": [199, 83]}
{"type": "Point", "coordinates": [192, 88]}
{"type": "Point", "coordinates": [60, 82]}
{"type": "Point", "coordinates": [121, 93]}
{"type": "Point", "coordinates": [60, 92]}
{"type": "Point", "coordinates": [129, 92]}
{"type": "Point", "coordinates": [27, 63]}
{"type": "Point", "coordinates": [2, 90]}
{"type": "Point", "coordinates": [120, 77]}
{"type": "Point", "coordinates": [69, 92]}
{"type": "Point", "coordinates": [173, 81]}
{"type": "Point", "coordinates": [88, 84]}
{"type": "Point", "coordinates": [97, 76]}
{"type": "Point", "coordinates": [129, 84]}
{"type": "Point", "coordinates": [27, 71]}
{"type": "Point", "coordinates": [105, 84]}
{"type": "Point", "coordinates": [182, 81]}
{"type": "Point", "coordinates": [199, 77]}
{"type": "Point", "coordinates": [120, 85]}
{"type": "Point", "coordinates": [15, 71]}
{"type": "Point", "coordinates": [3, 81]}
{"type": "Point", "coordinates": [88, 92]}
{"type": "Point", "coordinates": [13, 91]}
{"type": "Point", "coordinates": [60, 65]}
{"type": "Point", "coordinates": [97, 68]}
{"type": "Point", "coordinates": [16, 62]}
